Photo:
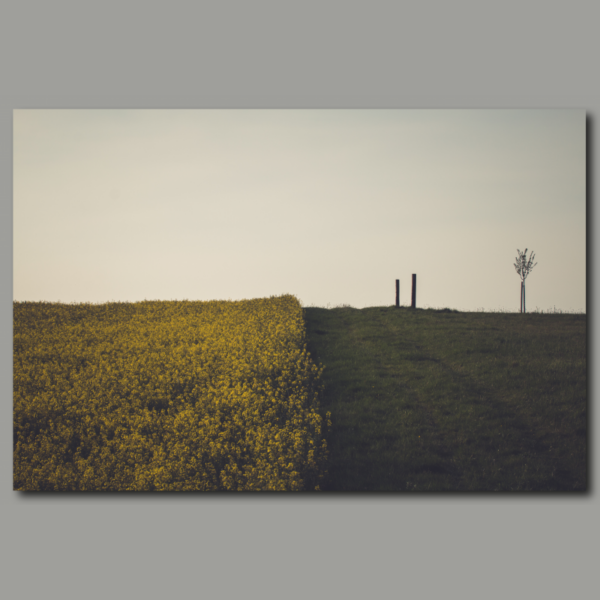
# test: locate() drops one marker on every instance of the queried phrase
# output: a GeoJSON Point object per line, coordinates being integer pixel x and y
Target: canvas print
{"type": "Point", "coordinates": [317, 301]}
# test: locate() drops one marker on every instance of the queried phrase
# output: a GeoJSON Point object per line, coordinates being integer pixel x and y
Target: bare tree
{"type": "Point", "coordinates": [523, 267]}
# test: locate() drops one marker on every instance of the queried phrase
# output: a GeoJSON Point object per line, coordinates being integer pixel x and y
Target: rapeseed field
{"type": "Point", "coordinates": [166, 396]}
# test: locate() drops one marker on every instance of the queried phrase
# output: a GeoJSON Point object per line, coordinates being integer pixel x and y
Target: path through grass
{"type": "Point", "coordinates": [430, 400]}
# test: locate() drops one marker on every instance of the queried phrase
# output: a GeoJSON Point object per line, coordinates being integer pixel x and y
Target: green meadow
{"type": "Point", "coordinates": [446, 401]}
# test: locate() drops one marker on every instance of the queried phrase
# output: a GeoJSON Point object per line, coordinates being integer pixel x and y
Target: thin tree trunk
{"type": "Point", "coordinates": [524, 309]}
{"type": "Point", "coordinates": [521, 305]}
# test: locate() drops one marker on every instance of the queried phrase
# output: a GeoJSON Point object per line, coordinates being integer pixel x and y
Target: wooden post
{"type": "Point", "coordinates": [414, 291]}
{"type": "Point", "coordinates": [397, 293]}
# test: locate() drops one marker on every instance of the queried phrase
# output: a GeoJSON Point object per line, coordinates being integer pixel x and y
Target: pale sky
{"type": "Point", "coordinates": [329, 205]}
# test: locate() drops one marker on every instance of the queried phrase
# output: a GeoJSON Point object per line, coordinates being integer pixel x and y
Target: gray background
{"type": "Point", "coordinates": [310, 54]}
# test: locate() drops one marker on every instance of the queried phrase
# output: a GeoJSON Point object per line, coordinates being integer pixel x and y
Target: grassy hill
{"type": "Point", "coordinates": [439, 400]}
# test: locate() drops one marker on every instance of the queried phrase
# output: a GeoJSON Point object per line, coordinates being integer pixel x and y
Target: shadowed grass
{"type": "Point", "coordinates": [440, 400]}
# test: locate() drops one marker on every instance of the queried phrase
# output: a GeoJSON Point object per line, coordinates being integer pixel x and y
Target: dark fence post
{"type": "Point", "coordinates": [397, 293]}
{"type": "Point", "coordinates": [414, 291]}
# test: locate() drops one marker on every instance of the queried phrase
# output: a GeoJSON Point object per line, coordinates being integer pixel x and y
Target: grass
{"type": "Point", "coordinates": [440, 400]}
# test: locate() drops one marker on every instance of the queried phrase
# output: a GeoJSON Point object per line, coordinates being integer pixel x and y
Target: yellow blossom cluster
{"type": "Point", "coordinates": [177, 395]}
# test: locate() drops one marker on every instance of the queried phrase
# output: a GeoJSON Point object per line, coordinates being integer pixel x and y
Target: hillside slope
{"type": "Point", "coordinates": [426, 400]}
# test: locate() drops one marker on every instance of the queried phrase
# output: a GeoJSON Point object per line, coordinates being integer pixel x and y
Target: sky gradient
{"type": "Point", "coordinates": [329, 205]}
